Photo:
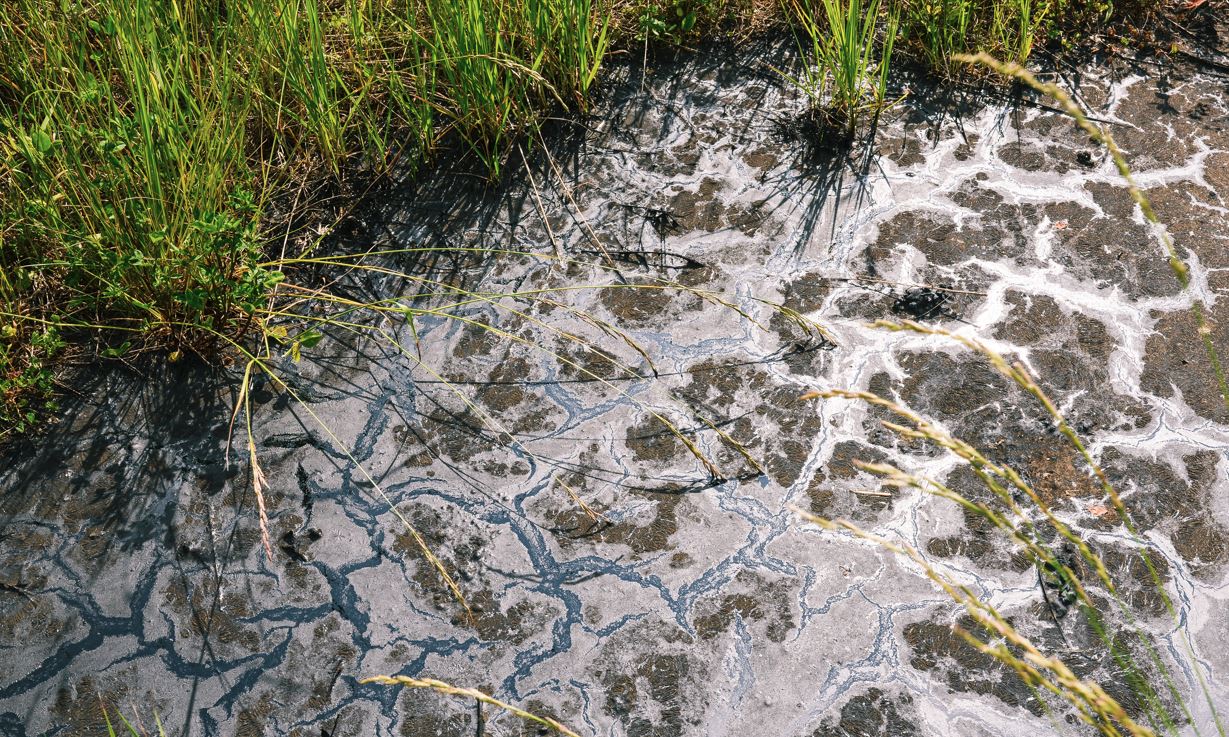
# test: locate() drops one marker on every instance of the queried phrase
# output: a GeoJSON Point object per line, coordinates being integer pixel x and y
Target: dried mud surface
{"type": "Point", "coordinates": [131, 565]}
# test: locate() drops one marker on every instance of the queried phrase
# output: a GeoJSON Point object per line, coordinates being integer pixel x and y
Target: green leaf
{"type": "Point", "coordinates": [117, 351]}
{"type": "Point", "coordinates": [309, 338]}
{"type": "Point", "coordinates": [42, 141]}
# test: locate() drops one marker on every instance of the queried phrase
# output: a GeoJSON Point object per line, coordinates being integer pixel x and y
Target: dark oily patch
{"type": "Point", "coordinates": [883, 385]}
{"type": "Point", "coordinates": [936, 647]}
{"type": "Point", "coordinates": [699, 209]}
{"type": "Point", "coordinates": [506, 388]}
{"type": "Point", "coordinates": [203, 613]}
{"type": "Point", "coordinates": [1113, 250]}
{"type": "Point", "coordinates": [643, 532]}
{"type": "Point", "coordinates": [807, 293]}
{"type": "Point", "coordinates": [766, 605]}
{"type": "Point", "coordinates": [1038, 320]}
{"type": "Point", "coordinates": [904, 150]}
{"type": "Point", "coordinates": [79, 707]}
{"type": "Point", "coordinates": [596, 365]}
{"type": "Point", "coordinates": [922, 303]}
{"type": "Point", "coordinates": [495, 614]}
{"type": "Point", "coordinates": [795, 425]}
{"type": "Point", "coordinates": [840, 489]}
{"type": "Point", "coordinates": [1070, 353]}
{"type": "Point", "coordinates": [655, 441]}
{"type": "Point", "coordinates": [646, 303]}
{"type": "Point", "coordinates": [655, 692]}
{"type": "Point", "coordinates": [1176, 362]}
{"type": "Point", "coordinates": [1194, 215]}
{"type": "Point", "coordinates": [1136, 586]}
{"type": "Point", "coordinates": [979, 540]}
{"type": "Point", "coordinates": [987, 410]}
{"type": "Point", "coordinates": [1034, 158]}
{"type": "Point", "coordinates": [1165, 124]}
{"type": "Point", "coordinates": [428, 713]}
{"type": "Point", "coordinates": [872, 714]}
{"type": "Point", "coordinates": [954, 387]}
{"type": "Point", "coordinates": [936, 236]}
{"type": "Point", "coordinates": [1178, 503]}
{"type": "Point", "coordinates": [720, 385]}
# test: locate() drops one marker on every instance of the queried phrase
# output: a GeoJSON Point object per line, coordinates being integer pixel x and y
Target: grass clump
{"type": "Point", "coordinates": [936, 30]}
{"type": "Point", "coordinates": [125, 197]}
{"type": "Point", "coordinates": [1008, 28]}
{"type": "Point", "coordinates": [493, 66]}
{"type": "Point", "coordinates": [149, 148]}
{"type": "Point", "coordinates": [847, 46]}
{"type": "Point", "coordinates": [847, 70]}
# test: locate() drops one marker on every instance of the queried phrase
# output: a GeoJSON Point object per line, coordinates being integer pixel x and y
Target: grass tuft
{"type": "Point", "coordinates": [846, 64]}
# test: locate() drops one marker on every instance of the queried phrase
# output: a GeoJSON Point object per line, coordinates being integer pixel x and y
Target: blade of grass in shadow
{"type": "Point", "coordinates": [494, 299]}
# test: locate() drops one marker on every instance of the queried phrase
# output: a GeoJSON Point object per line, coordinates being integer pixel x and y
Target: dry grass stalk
{"type": "Point", "coordinates": [472, 693]}
{"type": "Point", "coordinates": [1092, 703]}
{"type": "Point", "coordinates": [1006, 483]}
{"type": "Point", "coordinates": [258, 485]}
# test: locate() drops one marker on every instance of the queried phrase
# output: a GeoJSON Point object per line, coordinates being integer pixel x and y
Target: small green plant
{"type": "Point", "coordinates": [27, 380]}
{"type": "Point", "coordinates": [941, 27]}
{"type": "Point", "coordinates": [673, 21]}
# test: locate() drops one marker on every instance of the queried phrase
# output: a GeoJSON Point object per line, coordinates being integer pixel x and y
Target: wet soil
{"type": "Point", "coordinates": [683, 597]}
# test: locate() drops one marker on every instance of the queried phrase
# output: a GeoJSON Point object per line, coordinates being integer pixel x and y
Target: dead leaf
{"type": "Point", "coordinates": [1101, 511]}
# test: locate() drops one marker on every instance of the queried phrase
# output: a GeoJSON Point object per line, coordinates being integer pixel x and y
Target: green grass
{"type": "Point", "coordinates": [143, 142]}
{"type": "Point", "coordinates": [847, 46]}
{"type": "Point", "coordinates": [847, 67]}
